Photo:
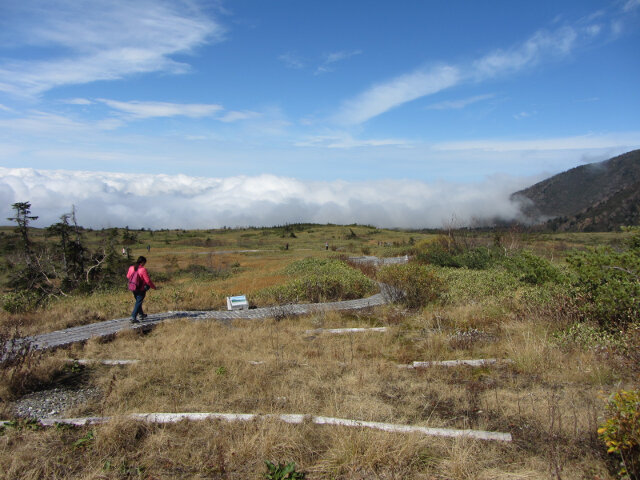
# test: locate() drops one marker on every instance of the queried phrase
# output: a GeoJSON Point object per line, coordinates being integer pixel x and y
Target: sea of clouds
{"type": "Point", "coordinates": [181, 201]}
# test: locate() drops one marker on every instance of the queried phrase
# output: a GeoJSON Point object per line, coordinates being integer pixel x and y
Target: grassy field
{"type": "Point", "coordinates": [550, 394]}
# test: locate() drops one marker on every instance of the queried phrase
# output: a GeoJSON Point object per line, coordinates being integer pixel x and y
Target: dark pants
{"type": "Point", "coordinates": [137, 309]}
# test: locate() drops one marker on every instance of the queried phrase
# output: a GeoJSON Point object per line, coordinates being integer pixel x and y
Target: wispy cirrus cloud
{"type": "Point", "coordinates": [345, 140]}
{"type": "Point", "coordinates": [139, 110]}
{"type": "Point", "coordinates": [97, 41]}
{"type": "Point", "coordinates": [461, 103]}
{"type": "Point", "coordinates": [77, 101]}
{"type": "Point", "coordinates": [524, 114]}
{"type": "Point", "coordinates": [542, 46]}
{"type": "Point", "coordinates": [52, 125]}
{"type": "Point", "coordinates": [631, 5]}
{"type": "Point", "coordinates": [618, 140]}
{"type": "Point", "coordinates": [235, 116]}
{"type": "Point", "coordinates": [535, 49]}
{"type": "Point", "coordinates": [331, 58]}
{"type": "Point", "coordinates": [402, 89]}
{"type": "Point", "coordinates": [292, 60]}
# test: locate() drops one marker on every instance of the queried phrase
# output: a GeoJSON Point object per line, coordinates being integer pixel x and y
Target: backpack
{"type": "Point", "coordinates": [135, 282]}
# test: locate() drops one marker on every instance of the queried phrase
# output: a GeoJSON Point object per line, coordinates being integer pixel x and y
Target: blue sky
{"type": "Point", "coordinates": [356, 95]}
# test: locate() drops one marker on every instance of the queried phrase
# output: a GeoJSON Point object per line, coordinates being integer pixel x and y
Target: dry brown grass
{"type": "Point", "coordinates": [216, 449]}
{"type": "Point", "coordinates": [551, 409]}
{"type": "Point", "coordinates": [550, 399]}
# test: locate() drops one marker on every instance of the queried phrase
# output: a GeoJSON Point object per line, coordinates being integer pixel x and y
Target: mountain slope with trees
{"type": "Point", "coordinates": [594, 197]}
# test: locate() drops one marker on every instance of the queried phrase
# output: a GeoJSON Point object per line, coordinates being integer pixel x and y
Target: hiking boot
{"type": "Point", "coordinates": [135, 320]}
{"type": "Point", "coordinates": [143, 316]}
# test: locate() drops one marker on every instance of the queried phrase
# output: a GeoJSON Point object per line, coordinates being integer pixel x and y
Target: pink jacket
{"type": "Point", "coordinates": [142, 273]}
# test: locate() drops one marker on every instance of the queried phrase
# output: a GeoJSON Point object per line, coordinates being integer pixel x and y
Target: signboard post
{"type": "Point", "coordinates": [239, 302]}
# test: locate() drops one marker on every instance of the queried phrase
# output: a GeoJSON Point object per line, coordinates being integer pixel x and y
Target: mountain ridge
{"type": "Point", "coordinates": [597, 196]}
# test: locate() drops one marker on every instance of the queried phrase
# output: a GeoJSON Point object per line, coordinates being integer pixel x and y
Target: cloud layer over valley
{"type": "Point", "coordinates": [180, 201]}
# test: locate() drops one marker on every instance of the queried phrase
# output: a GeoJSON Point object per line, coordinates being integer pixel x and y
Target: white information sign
{"type": "Point", "coordinates": [239, 302]}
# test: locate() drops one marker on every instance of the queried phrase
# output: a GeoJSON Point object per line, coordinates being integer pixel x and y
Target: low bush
{"type": "Point", "coordinates": [201, 272]}
{"type": "Point", "coordinates": [21, 301]}
{"type": "Point", "coordinates": [589, 337]}
{"type": "Point", "coordinates": [316, 280]}
{"type": "Point", "coordinates": [443, 252]}
{"type": "Point", "coordinates": [438, 252]}
{"type": "Point", "coordinates": [621, 431]}
{"type": "Point", "coordinates": [532, 269]}
{"type": "Point", "coordinates": [411, 284]}
{"type": "Point", "coordinates": [528, 267]}
{"type": "Point", "coordinates": [607, 285]}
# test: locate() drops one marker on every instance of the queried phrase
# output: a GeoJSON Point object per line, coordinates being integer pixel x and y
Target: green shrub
{"type": "Point", "coordinates": [589, 337]}
{"type": "Point", "coordinates": [200, 272]}
{"type": "Point", "coordinates": [480, 258]}
{"type": "Point", "coordinates": [532, 269]}
{"type": "Point", "coordinates": [21, 301]}
{"type": "Point", "coordinates": [411, 284]}
{"type": "Point", "coordinates": [438, 252]}
{"type": "Point", "coordinates": [312, 265]}
{"type": "Point", "coordinates": [444, 253]}
{"type": "Point", "coordinates": [466, 286]}
{"type": "Point", "coordinates": [316, 280]}
{"type": "Point", "coordinates": [607, 285]}
{"type": "Point", "coordinates": [621, 431]}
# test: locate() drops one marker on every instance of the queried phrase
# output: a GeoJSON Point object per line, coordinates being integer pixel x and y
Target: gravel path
{"type": "Point", "coordinates": [54, 402]}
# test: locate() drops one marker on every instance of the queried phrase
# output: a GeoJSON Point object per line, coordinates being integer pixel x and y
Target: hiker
{"type": "Point", "coordinates": [148, 248]}
{"type": "Point", "coordinates": [139, 283]}
{"type": "Point", "coordinates": [326, 245]}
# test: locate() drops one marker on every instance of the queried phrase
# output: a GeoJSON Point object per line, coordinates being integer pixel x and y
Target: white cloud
{"type": "Point", "coordinates": [232, 116]}
{"type": "Point", "coordinates": [580, 142]}
{"type": "Point", "coordinates": [99, 40]}
{"type": "Point", "coordinates": [335, 57]}
{"type": "Point", "coordinates": [345, 140]}
{"type": "Point", "coordinates": [405, 88]}
{"type": "Point", "coordinates": [342, 55]}
{"type": "Point", "coordinates": [617, 28]}
{"type": "Point", "coordinates": [292, 60]}
{"type": "Point", "coordinates": [138, 109]}
{"type": "Point", "coordinates": [631, 5]}
{"type": "Point", "coordinates": [78, 101]}
{"type": "Point", "coordinates": [179, 201]}
{"type": "Point", "coordinates": [385, 96]}
{"type": "Point", "coordinates": [458, 104]}
{"type": "Point", "coordinates": [521, 115]}
{"type": "Point", "coordinates": [593, 30]}
{"type": "Point", "coordinates": [539, 46]}
{"type": "Point", "coordinates": [45, 123]}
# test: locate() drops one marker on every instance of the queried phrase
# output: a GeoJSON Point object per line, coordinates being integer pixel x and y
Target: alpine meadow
{"type": "Point", "coordinates": [319, 240]}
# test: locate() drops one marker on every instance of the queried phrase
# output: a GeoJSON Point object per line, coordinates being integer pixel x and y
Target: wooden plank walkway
{"type": "Point", "coordinates": [61, 338]}
{"type": "Point", "coordinates": [108, 328]}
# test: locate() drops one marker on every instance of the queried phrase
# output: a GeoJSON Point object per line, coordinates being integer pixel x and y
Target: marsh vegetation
{"type": "Point", "coordinates": [539, 301]}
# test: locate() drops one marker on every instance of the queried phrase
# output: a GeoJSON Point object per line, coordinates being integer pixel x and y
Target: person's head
{"type": "Point", "coordinates": [140, 261]}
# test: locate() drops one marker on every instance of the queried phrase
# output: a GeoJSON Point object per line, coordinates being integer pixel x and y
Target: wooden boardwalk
{"type": "Point", "coordinates": [108, 328]}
